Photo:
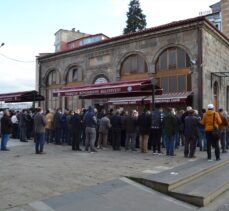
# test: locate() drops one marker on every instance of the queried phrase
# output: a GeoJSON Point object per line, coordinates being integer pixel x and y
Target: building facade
{"type": "Point", "coordinates": [184, 56]}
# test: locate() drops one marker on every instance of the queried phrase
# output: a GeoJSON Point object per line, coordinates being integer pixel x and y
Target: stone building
{"type": "Point", "coordinates": [189, 57]}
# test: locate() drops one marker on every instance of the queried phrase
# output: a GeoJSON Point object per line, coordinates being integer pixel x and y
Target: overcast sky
{"type": "Point", "coordinates": [28, 27]}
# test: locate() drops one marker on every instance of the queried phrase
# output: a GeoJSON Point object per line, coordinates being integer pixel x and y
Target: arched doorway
{"type": "Point", "coordinates": [215, 94]}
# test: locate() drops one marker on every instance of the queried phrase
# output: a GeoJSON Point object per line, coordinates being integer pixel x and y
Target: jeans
{"type": "Point", "coordinates": [40, 141]}
{"type": "Point", "coordinates": [57, 135]}
{"type": "Point", "coordinates": [202, 141]}
{"type": "Point", "coordinates": [170, 144]}
{"type": "Point", "coordinates": [5, 138]}
{"type": "Point", "coordinates": [227, 140]}
{"type": "Point", "coordinates": [223, 140]}
{"type": "Point", "coordinates": [190, 146]}
{"type": "Point", "coordinates": [212, 142]}
{"type": "Point", "coordinates": [132, 137]}
{"type": "Point", "coordinates": [116, 138]}
{"type": "Point", "coordinates": [49, 135]}
{"type": "Point", "coordinates": [156, 139]}
{"type": "Point", "coordinates": [90, 138]}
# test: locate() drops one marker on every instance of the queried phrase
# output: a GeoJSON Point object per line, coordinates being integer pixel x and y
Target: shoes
{"type": "Point", "coordinates": [173, 155]}
{"type": "Point", "coordinates": [155, 153]}
{"type": "Point", "coordinates": [40, 153]}
{"type": "Point", "coordinates": [224, 151]}
{"type": "Point", "coordinates": [5, 149]}
{"type": "Point", "coordinates": [218, 159]}
{"type": "Point", "coordinates": [79, 149]}
{"type": "Point", "coordinates": [93, 150]}
{"type": "Point", "coordinates": [210, 160]}
{"type": "Point", "coordinates": [192, 156]}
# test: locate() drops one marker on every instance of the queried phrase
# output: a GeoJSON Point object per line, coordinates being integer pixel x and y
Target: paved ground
{"type": "Point", "coordinates": [27, 178]}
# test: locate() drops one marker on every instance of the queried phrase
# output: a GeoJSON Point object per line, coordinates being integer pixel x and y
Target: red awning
{"type": "Point", "coordinates": [177, 97]}
{"type": "Point", "coordinates": [111, 89]}
{"type": "Point", "coordinates": [27, 96]}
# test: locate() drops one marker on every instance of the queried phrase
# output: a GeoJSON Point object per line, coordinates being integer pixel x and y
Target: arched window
{"type": "Point", "coordinates": [134, 64]}
{"type": "Point", "coordinates": [173, 70]}
{"type": "Point", "coordinates": [173, 58]}
{"type": "Point", "coordinates": [73, 75]}
{"type": "Point", "coordinates": [52, 78]}
{"type": "Point", "coordinates": [52, 81]}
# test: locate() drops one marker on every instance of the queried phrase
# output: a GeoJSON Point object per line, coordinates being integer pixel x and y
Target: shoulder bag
{"type": "Point", "coordinates": [216, 132]}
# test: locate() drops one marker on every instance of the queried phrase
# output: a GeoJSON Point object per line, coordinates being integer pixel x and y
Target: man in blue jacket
{"type": "Point", "coordinates": [90, 122]}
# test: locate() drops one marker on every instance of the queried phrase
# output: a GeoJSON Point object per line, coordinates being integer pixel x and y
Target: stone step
{"type": "Point", "coordinates": [203, 190]}
{"type": "Point", "coordinates": [178, 176]}
{"type": "Point", "coordinates": [116, 195]}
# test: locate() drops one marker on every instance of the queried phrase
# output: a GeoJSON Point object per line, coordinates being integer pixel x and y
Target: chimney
{"type": "Point", "coordinates": [225, 16]}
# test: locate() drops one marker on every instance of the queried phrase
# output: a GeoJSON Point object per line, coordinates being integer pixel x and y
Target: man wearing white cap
{"type": "Point", "coordinates": [211, 120]}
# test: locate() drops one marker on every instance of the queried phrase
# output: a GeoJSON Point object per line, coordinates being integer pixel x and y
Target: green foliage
{"type": "Point", "coordinates": [136, 20]}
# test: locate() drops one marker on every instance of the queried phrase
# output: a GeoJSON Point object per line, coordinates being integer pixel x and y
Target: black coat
{"type": "Point", "coordinates": [57, 121]}
{"type": "Point", "coordinates": [191, 123]}
{"type": "Point", "coordinates": [6, 125]}
{"type": "Point", "coordinates": [76, 123]}
{"type": "Point", "coordinates": [144, 123]}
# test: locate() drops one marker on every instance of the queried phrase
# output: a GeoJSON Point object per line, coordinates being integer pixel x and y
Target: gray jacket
{"type": "Point", "coordinates": [104, 125]}
{"type": "Point", "coordinates": [39, 123]}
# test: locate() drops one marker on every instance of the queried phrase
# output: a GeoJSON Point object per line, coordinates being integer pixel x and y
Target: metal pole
{"type": "Point", "coordinates": [153, 83]}
{"type": "Point", "coordinates": [153, 97]}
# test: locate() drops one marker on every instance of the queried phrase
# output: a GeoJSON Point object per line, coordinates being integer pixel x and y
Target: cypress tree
{"type": "Point", "coordinates": [136, 20]}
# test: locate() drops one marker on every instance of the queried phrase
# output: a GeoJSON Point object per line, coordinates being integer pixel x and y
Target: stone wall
{"type": "Point", "coordinates": [215, 59]}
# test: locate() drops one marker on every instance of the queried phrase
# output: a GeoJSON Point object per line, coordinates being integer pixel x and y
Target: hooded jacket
{"type": "Point", "coordinates": [207, 120]}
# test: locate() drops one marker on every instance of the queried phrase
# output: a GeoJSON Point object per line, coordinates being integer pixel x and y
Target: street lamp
{"type": "Point", "coordinates": [153, 83]}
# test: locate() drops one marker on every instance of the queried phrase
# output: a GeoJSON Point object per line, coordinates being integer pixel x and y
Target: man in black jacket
{"type": "Point", "coordinates": [39, 131]}
{"type": "Point", "coordinates": [191, 123]}
{"type": "Point", "coordinates": [144, 123]}
{"type": "Point", "coordinates": [6, 129]}
{"type": "Point", "coordinates": [76, 126]}
{"type": "Point", "coordinates": [116, 123]}
{"type": "Point", "coordinates": [57, 125]}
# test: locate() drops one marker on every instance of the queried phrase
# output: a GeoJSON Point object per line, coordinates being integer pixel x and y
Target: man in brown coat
{"type": "Point", "coordinates": [49, 127]}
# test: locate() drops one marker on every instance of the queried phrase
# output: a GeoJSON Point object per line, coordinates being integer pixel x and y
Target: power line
{"type": "Point", "coordinates": [15, 60]}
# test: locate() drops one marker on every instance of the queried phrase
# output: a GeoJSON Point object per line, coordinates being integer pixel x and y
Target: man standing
{"type": "Point", "coordinates": [170, 127]}
{"type": "Point", "coordinates": [222, 128]}
{"type": "Point", "coordinates": [6, 129]}
{"type": "Point", "coordinates": [103, 131]}
{"type": "Point", "coordinates": [191, 123]}
{"type": "Point", "coordinates": [39, 130]}
{"type": "Point", "coordinates": [130, 125]}
{"type": "Point", "coordinates": [14, 120]}
{"type": "Point", "coordinates": [211, 120]}
{"type": "Point", "coordinates": [49, 127]}
{"type": "Point", "coordinates": [144, 123]}
{"type": "Point", "coordinates": [116, 123]}
{"type": "Point", "coordinates": [90, 122]}
{"type": "Point", "coordinates": [23, 125]}
{"type": "Point", "coordinates": [76, 127]}
{"type": "Point", "coordinates": [156, 131]}
{"type": "Point", "coordinates": [57, 126]}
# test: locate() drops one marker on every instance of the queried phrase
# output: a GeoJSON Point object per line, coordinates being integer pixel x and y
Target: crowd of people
{"type": "Point", "coordinates": [160, 128]}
